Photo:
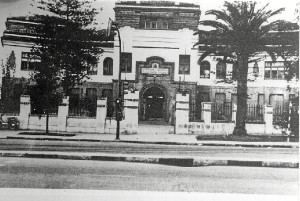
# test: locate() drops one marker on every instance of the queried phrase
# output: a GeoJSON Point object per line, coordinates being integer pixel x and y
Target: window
{"type": "Point", "coordinates": [221, 70]}
{"type": "Point", "coordinates": [274, 70]}
{"type": "Point", "coordinates": [29, 61]}
{"type": "Point", "coordinates": [184, 64]}
{"type": "Point", "coordinates": [93, 70]}
{"type": "Point", "coordinates": [276, 100]}
{"type": "Point", "coordinates": [205, 69]}
{"type": "Point", "coordinates": [126, 66]}
{"type": "Point", "coordinates": [91, 93]}
{"type": "Point", "coordinates": [108, 66]}
{"type": "Point", "coordinates": [261, 99]}
{"type": "Point", "coordinates": [220, 97]}
{"type": "Point", "coordinates": [154, 23]}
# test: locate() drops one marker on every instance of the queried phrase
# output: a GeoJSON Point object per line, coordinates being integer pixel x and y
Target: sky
{"type": "Point", "coordinates": [10, 8]}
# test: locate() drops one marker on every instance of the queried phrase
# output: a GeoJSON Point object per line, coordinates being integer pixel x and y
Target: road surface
{"type": "Point", "coordinates": [100, 175]}
{"type": "Point", "coordinates": [151, 149]}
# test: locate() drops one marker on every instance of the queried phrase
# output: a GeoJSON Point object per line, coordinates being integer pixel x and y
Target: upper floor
{"type": "Point", "coordinates": [141, 39]}
{"type": "Point", "coordinates": [157, 15]}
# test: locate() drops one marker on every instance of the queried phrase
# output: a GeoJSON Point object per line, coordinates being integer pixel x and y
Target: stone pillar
{"type": "Point", "coordinates": [101, 115]}
{"type": "Point", "coordinates": [234, 109]}
{"type": "Point", "coordinates": [206, 111]}
{"type": "Point", "coordinates": [63, 112]}
{"type": "Point", "coordinates": [182, 114]}
{"type": "Point", "coordinates": [268, 119]}
{"type": "Point", "coordinates": [131, 112]}
{"type": "Point", "coordinates": [25, 109]}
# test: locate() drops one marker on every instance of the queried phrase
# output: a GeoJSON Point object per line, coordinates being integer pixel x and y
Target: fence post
{"type": "Point", "coordinates": [63, 112]}
{"type": "Point", "coordinates": [131, 112]}
{"type": "Point", "coordinates": [268, 119]}
{"type": "Point", "coordinates": [182, 114]}
{"type": "Point", "coordinates": [234, 110]}
{"type": "Point", "coordinates": [101, 115]}
{"type": "Point", "coordinates": [206, 111]}
{"type": "Point", "coordinates": [25, 109]}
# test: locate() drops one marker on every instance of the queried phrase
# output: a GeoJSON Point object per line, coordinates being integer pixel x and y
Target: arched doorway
{"type": "Point", "coordinates": [154, 104]}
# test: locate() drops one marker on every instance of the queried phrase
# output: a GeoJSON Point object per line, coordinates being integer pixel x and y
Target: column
{"type": "Point", "coordinates": [101, 115]}
{"type": "Point", "coordinates": [25, 110]}
{"type": "Point", "coordinates": [234, 109]}
{"type": "Point", "coordinates": [268, 119]}
{"type": "Point", "coordinates": [63, 112]}
{"type": "Point", "coordinates": [131, 112]}
{"type": "Point", "coordinates": [206, 111]}
{"type": "Point", "coordinates": [182, 114]}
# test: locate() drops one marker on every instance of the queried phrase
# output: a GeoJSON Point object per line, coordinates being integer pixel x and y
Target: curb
{"type": "Point", "coordinates": [182, 162]}
{"type": "Point", "coordinates": [157, 142]}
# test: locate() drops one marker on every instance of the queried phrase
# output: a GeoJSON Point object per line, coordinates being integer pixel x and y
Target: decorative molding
{"type": "Point", "coordinates": [131, 107]}
{"type": "Point", "coordinates": [182, 102]}
{"type": "Point", "coordinates": [187, 109]}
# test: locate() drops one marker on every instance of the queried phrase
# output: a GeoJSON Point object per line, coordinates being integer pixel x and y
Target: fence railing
{"type": "Point", "coordinates": [221, 112]}
{"type": "Point", "coordinates": [83, 107]}
{"type": "Point", "coordinates": [255, 113]}
{"type": "Point", "coordinates": [281, 115]}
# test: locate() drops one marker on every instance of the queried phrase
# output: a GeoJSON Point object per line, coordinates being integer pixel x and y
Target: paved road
{"type": "Point", "coordinates": [71, 174]}
{"type": "Point", "coordinates": [153, 149]}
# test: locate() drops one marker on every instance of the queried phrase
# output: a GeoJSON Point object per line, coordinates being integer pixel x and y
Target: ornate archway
{"type": "Point", "coordinates": [153, 103]}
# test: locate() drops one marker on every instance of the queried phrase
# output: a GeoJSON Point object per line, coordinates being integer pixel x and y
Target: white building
{"type": "Point", "coordinates": [160, 60]}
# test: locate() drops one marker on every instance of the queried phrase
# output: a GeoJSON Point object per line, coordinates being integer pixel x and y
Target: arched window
{"type": "Point", "coordinates": [205, 69]}
{"type": "Point", "coordinates": [221, 70]}
{"type": "Point", "coordinates": [108, 66]}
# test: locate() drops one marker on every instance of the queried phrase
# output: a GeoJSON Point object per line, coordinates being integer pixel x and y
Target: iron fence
{"type": "Point", "coordinates": [83, 107]}
{"type": "Point", "coordinates": [281, 115]}
{"type": "Point", "coordinates": [221, 111]}
{"type": "Point", "coordinates": [255, 113]}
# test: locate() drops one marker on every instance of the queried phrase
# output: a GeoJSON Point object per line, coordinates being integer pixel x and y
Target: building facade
{"type": "Point", "coordinates": [158, 59]}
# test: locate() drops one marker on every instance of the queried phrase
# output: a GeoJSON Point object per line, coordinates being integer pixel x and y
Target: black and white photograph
{"type": "Point", "coordinates": [148, 100]}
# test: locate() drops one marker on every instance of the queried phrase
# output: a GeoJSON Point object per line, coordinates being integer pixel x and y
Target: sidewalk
{"type": "Point", "coordinates": [148, 138]}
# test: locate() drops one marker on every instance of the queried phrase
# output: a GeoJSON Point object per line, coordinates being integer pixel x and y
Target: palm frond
{"type": "Point", "coordinates": [215, 24]}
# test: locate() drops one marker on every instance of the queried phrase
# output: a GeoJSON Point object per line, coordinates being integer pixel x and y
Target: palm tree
{"type": "Point", "coordinates": [240, 31]}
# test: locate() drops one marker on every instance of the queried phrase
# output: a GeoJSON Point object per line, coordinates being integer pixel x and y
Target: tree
{"type": "Point", "coordinates": [8, 97]}
{"type": "Point", "coordinates": [240, 32]}
{"type": "Point", "coordinates": [66, 46]}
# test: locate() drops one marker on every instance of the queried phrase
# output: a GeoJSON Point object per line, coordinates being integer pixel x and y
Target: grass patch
{"type": "Point", "coordinates": [49, 134]}
{"type": "Point", "coordinates": [248, 138]}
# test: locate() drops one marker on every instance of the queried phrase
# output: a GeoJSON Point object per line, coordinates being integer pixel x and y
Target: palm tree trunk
{"type": "Point", "coordinates": [242, 72]}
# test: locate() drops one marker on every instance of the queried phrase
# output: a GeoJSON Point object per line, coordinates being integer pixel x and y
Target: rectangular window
{"type": "Point", "coordinates": [261, 99]}
{"type": "Point", "coordinates": [220, 97]}
{"type": "Point", "coordinates": [184, 64]}
{"type": "Point", "coordinates": [91, 93]}
{"type": "Point", "coordinates": [126, 65]}
{"type": "Point", "coordinates": [148, 25]}
{"type": "Point", "coordinates": [274, 70]}
{"type": "Point", "coordinates": [153, 25]}
{"type": "Point", "coordinates": [29, 61]}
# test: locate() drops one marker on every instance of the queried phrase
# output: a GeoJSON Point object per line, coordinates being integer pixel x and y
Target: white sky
{"type": "Point", "coordinates": [9, 8]}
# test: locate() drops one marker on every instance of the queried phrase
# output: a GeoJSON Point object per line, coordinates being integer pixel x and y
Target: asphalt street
{"type": "Point", "coordinates": [151, 149]}
{"type": "Point", "coordinates": [100, 175]}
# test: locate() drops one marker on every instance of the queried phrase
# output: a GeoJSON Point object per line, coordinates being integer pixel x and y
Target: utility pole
{"type": "Point", "coordinates": [113, 26]}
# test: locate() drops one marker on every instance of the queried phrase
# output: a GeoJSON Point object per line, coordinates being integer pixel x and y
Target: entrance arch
{"type": "Point", "coordinates": [154, 103]}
